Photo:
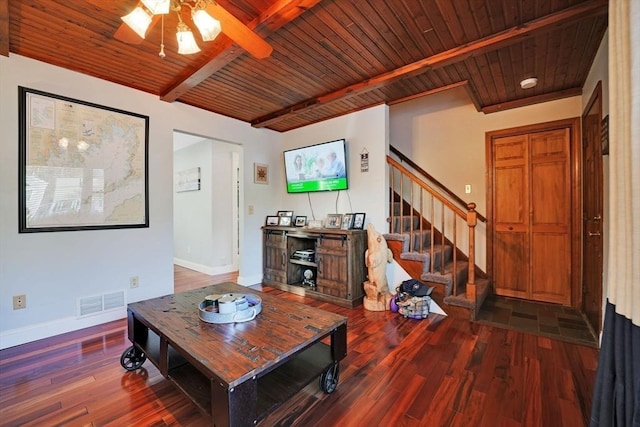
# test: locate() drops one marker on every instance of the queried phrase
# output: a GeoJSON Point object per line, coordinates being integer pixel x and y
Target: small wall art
{"type": "Point", "coordinates": [188, 180]}
{"type": "Point", "coordinates": [260, 173]}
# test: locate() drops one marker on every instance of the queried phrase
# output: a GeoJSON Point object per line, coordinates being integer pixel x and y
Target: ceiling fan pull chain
{"type": "Point", "coordinates": [161, 54]}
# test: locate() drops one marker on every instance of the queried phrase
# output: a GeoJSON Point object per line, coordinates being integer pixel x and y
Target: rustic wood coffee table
{"type": "Point", "coordinates": [237, 372]}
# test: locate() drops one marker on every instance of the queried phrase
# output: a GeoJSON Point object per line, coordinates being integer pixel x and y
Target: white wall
{"type": "Point", "coordinates": [445, 135]}
{"type": "Point", "coordinates": [54, 269]}
{"type": "Point", "coordinates": [363, 130]}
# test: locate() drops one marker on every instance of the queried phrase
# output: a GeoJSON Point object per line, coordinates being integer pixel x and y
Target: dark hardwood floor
{"type": "Point", "coordinates": [436, 372]}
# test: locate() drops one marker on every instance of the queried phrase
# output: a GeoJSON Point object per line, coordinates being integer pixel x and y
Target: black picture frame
{"type": "Point", "coordinates": [358, 221]}
{"type": "Point", "coordinates": [285, 213]}
{"type": "Point", "coordinates": [272, 220]}
{"type": "Point", "coordinates": [301, 221]}
{"type": "Point", "coordinates": [72, 175]}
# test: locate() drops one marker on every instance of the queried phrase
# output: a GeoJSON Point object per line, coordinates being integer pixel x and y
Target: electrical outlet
{"type": "Point", "coordinates": [134, 282]}
{"type": "Point", "coordinates": [19, 301]}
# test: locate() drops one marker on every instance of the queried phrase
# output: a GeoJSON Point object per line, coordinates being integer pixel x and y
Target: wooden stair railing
{"type": "Point", "coordinates": [426, 210]}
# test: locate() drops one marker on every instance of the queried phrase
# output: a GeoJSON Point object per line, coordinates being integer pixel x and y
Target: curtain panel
{"type": "Point", "coordinates": [616, 400]}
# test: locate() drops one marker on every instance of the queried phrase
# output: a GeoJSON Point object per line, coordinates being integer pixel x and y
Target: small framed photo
{"type": "Point", "coordinates": [358, 221]}
{"type": "Point", "coordinates": [301, 221]}
{"type": "Point", "coordinates": [272, 220]}
{"type": "Point", "coordinates": [284, 221]}
{"type": "Point", "coordinates": [285, 213]}
{"type": "Point", "coordinates": [260, 173]}
{"type": "Point", "coordinates": [333, 221]}
{"type": "Point", "coordinates": [347, 221]}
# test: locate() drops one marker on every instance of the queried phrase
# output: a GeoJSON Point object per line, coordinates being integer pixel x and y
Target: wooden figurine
{"type": "Point", "coordinates": [377, 256]}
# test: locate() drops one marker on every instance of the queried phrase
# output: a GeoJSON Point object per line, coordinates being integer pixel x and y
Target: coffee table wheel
{"type": "Point", "coordinates": [329, 379]}
{"type": "Point", "coordinates": [132, 358]}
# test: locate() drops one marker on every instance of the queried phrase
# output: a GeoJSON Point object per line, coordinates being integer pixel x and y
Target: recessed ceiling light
{"type": "Point", "coordinates": [529, 83]}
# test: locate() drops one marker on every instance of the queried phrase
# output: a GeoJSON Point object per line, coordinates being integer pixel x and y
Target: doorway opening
{"type": "Point", "coordinates": [206, 216]}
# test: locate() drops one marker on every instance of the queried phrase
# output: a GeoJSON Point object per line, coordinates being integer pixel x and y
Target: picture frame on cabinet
{"type": "Point", "coordinates": [358, 221]}
{"type": "Point", "coordinates": [284, 221]}
{"type": "Point", "coordinates": [347, 221]}
{"type": "Point", "coordinates": [272, 220]}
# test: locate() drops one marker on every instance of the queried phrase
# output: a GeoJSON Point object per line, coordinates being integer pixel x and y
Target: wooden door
{"type": "Point", "coordinates": [550, 228]}
{"type": "Point", "coordinates": [592, 199]}
{"type": "Point", "coordinates": [530, 198]}
{"type": "Point", "coordinates": [511, 216]}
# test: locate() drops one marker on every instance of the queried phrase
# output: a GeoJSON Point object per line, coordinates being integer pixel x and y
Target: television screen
{"type": "Point", "coordinates": [320, 167]}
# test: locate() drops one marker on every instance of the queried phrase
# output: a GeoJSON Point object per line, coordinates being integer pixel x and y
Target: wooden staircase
{"type": "Point", "coordinates": [434, 241]}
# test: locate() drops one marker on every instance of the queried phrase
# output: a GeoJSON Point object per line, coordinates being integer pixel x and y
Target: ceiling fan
{"type": "Point", "coordinates": [208, 16]}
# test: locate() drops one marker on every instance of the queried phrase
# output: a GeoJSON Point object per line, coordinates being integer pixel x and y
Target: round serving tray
{"type": "Point", "coordinates": [229, 308]}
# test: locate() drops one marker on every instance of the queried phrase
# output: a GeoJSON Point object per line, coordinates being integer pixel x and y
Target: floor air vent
{"type": "Point", "coordinates": [100, 303]}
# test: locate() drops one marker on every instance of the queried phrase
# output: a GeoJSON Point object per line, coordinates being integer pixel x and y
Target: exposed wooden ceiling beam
{"type": "Point", "coordinates": [460, 53]}
{"type": "Point", "coordinates": [4, 27]}
{"type": "Point", "coordinates": [278, 15]}
{"type": "Point", "coordinates": [537, 99]}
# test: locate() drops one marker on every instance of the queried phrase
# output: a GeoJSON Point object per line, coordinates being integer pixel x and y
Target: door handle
{"type": "Point", "coordinates": [597, 218]}
{"type": "Point", "coordinates": [594, 234]}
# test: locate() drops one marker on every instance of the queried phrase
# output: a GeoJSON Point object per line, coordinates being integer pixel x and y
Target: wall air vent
{"type": "Point", "coordinates": [88, 306]}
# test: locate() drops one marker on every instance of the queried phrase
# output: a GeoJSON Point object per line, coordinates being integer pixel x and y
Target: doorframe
{"type": "Point", "coordinates": [573, 124]}
{"type": "Point", "coordinates": [596, 97]}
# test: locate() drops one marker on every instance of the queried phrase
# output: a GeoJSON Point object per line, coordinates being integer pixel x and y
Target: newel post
{"type": "Point", "coordinates": [472, 220]}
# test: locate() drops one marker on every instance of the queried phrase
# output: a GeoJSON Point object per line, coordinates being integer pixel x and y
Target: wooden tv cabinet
{"type": "Point", "coordinates": [338, 264]}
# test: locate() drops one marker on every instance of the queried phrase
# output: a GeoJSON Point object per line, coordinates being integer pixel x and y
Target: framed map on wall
{"type": "Point", "coordinates": [82, 166]}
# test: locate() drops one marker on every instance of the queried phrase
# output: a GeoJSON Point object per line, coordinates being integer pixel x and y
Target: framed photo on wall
{"type": "Point", "coordinates": [72, 172]}
{"type": "Point", "coordinates": [260, 173]}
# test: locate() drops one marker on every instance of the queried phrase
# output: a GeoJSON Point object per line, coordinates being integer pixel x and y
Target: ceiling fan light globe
{"type": "Point", "coordinates": [158, 7]}
{"type": "Point", "coordinates": [186, 42]}
{"type": "Point", "coordinates": [208, 26]}
{"type": "Point", "coordinates": [138, 20]}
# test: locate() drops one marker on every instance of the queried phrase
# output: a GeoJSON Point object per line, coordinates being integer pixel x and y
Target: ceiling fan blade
{"type": "Point", "coordinates": [240, 33]}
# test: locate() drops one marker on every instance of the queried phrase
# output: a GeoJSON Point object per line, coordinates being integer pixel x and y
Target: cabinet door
{"type": "Point", "coordinates": [275, 256]}
{"type": "Point", "coordinates": [333, 271]}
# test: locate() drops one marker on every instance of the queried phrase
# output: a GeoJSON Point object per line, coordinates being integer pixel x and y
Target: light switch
{"type": "Point", "coordinates": [467, 189]}
{"type": "Point", "coordinates": [250, 209]}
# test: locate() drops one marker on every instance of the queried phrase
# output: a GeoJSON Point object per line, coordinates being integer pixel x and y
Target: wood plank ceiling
{"type": "Point", "coordinates": [330, 57]}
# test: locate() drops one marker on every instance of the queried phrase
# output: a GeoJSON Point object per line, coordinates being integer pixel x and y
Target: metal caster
{"type": "Point", "coordinates": [132, 358]}
{"type": "Point", "coordinates": [329, 379]}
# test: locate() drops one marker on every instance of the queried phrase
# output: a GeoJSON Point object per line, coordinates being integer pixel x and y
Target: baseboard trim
{"type": "Point", "coordinates": [211, 271]}
{"type": "Point", "coordinates": [14, 337]}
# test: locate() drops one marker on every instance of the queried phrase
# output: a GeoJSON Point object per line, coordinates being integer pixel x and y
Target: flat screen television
{"type": "Point", "coordinates": [320, 167]}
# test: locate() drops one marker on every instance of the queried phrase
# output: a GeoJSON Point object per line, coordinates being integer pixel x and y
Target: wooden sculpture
{"type": "Point", "coordinates": [377, 256]}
